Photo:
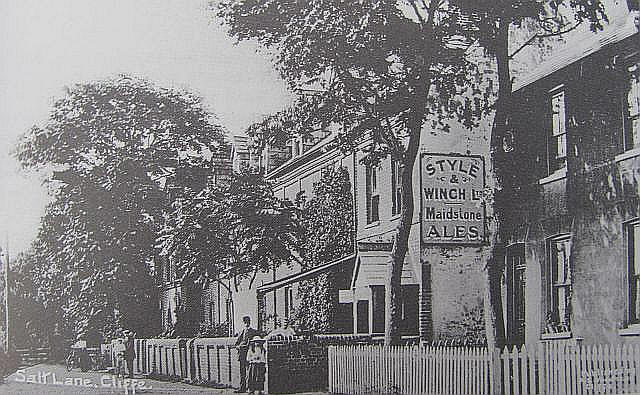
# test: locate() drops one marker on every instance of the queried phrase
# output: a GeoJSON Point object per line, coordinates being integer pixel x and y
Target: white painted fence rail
{"type": "Point", "coordinates": [542, 369]}
{"type": "Point", "coordinates": [365, 369]}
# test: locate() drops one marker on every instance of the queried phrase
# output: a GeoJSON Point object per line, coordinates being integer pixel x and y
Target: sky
{"type": "Point", "coordinates": [46, 45]}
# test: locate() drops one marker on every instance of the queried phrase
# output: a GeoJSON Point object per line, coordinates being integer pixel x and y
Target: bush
{"type": "Point", "coordinates": [9, 363]}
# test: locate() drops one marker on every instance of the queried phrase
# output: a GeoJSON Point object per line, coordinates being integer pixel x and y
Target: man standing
{"type": "Point", "coordinates": [129, 352]}
{"type": "Point", "coordinates": [242, 344]}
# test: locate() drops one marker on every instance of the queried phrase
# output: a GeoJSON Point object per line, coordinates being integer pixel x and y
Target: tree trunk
{"type": "Point", "coordinates": [494, 322]}
{"type": "Point", "coordinates": [393, 301]}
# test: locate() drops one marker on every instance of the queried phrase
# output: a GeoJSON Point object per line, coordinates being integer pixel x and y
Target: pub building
{"type": "Point", "coordinates": [442, 280]}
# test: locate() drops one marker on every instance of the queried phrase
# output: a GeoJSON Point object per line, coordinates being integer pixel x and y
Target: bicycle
{"type": "Point", "coordinates": [78, 359]}
{"type": "Point", "coordinates": [72, 361]}
{"type": "Point", "coordinates": [98, 362]}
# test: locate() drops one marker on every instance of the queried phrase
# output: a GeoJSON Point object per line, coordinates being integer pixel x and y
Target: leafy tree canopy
{"type": "Point", "coordinates": [107, 149]}
{"type": "Point", "coordinates": [381, 65]}
{"type": "Point", "coordinates": [234, 229]}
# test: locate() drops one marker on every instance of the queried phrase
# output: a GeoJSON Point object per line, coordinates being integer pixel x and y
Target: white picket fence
{"type": "Point", "coordinates": [365, 369]}
{"type": "Point", "coordinates": [559, 369]}
{"type": "Point", "coordinates": [543, 369]}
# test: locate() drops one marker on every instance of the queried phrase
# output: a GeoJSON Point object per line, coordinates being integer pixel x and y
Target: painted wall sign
{"type": "Point", "coordinates": [452, 207]}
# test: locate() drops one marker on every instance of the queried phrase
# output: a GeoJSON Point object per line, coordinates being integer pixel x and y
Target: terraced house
{"type": "Point", "coordinates": [442, 280]}
{"type": "Point", "coordinates": [572, 254]}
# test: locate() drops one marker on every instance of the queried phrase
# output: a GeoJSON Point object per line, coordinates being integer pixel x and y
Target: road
{"type": "Point", "coordinates": [55, 379]}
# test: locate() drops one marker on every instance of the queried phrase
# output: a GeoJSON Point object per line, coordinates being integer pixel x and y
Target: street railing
{"type": "Point", "coordinates": [212, 361]}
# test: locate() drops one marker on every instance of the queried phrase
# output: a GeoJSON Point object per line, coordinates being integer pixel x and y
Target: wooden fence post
{"type": "Point", "coordinates": [495, 371]}
{"type": "Point", "coordinates": [266, 367]}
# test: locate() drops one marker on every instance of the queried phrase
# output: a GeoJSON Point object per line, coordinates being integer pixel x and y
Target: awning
{"type": "Point", "coordinates": [372, 269]}
{"type": "Point", "coordinates": [304, 275]}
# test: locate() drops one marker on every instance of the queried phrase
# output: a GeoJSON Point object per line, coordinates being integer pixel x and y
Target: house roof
{"type": "Point", "coordinates": [304, 274]}
{"type": "Point", "coordinates": [575, 51]}
{"type": "Point", "coordinates": [316, 150]}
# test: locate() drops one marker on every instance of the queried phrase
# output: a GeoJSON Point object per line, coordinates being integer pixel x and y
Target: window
{"type": "Point", "coordinates": [633, 259]}
{"type": "Point", "coordinates": [557, 146]}
{"type": "Point", "coordinates": [396, 187]}
{"type": "Point", "coordinates": [373, 197]}
{"type": "Point", "coordinates": [296, 148]}
{"type": "Point", "coordinates": [288, 302]}
{"type": "Point", "coordinates": [203, 307]}
{"type": "Point", "coordinates": [211, 313]}
{"type": "Point", "coordinates": [559, 285]}
{"type": "Point", "coordinates": [410, 310]}
{"type": "Point", "coordinates": [362, 316]}
{"type": "Point", "coordinates": [165, 270]}
{"type": "Point", "coordinates": [169, 270]}
{"type": "Point", "coordinates": [632, 113]}
{"type": "Point", "coordinates": [515, 285]}
{"type": "Point", "coordinates": [378, 306]}
{"type": "Point", "coordinates": [169, 318]}
{"type": "Point", "coordinates": [228, 304]}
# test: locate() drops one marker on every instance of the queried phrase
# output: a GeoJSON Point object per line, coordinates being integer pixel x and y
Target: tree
{"type": "Point", "coordinates": [30, 320]}
{"type": "Point", "coordinates": [328, 234]}
{"type": "Point", "coordinates": [232, 230]}
{"type": "Point", "coordinates": [384, 69]}
{"type": "Point", "coordinates": [495, 23]}
{"type": "Point", "coordinates": [105, 151]}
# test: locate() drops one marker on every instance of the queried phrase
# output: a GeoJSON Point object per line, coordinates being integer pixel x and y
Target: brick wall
{"type": "Point", "coordinates": [297, 366]}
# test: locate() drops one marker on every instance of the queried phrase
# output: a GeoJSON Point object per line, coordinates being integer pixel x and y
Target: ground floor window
{"type": "Point", "coordinates": [633, 269]}
{"type": "Point", "coordinates": [559, 284]}
{"type": "Point", "coordinates": [377, 296]}
{"type": "Point", "coordinates": [362, 316]}
{"type": "Point", "coordinates": [344, 318]}
{"type": "Point", "coordinates": [409, 312]}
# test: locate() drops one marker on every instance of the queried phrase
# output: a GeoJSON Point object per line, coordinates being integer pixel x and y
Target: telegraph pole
{"type": "Point", "coordinates": [6, 294]}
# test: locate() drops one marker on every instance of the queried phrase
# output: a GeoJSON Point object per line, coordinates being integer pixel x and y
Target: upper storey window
{"type": "Point", "coordinates": [373, 195]}
{"type": "Point", "coordinates": [632, 113]}
{"type": "Point", "coordinates": [396, 187]}
{"type": "Point", "coordinates": [557, 143]}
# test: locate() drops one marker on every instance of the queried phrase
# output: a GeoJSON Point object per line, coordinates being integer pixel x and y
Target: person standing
{"type": "Point", "coordinates": [257, 360]}
{"type": "Point", "coordinates": [242, 344]}
{"type": "Point", "coordinates": [129, 352]}
{"type": "Point", "coordinates": [119, 350]}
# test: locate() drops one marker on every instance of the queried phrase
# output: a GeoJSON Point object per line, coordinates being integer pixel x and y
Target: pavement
{"type": "Point", "coordinates": [55, 379]}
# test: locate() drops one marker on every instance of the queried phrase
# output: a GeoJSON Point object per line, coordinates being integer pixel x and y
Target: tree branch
{"type": "Point", "coordinates": [253, 278]}
{"type": "Point", "coordinates": [539, 36]}
{"type": "Point", "coordinates": [417, 12]}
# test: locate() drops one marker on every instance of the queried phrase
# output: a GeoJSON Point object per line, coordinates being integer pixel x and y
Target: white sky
{"type": "Point", "coordinates": [47, 44]}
